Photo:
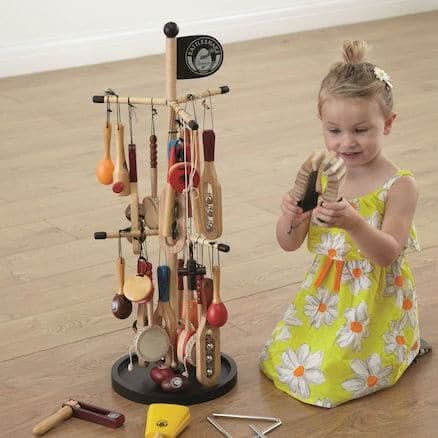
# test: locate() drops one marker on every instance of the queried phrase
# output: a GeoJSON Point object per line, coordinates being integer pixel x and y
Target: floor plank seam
{"type": "Point", "coordinates": [63, 345]}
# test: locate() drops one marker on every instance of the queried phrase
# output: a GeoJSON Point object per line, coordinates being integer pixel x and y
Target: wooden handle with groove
{"type": "Point", "coordinates": [154, 161]}
{"type": "Point", "coordinates": [132, 154]}
{"type": "Point", "coordinates": [107, 141]}
{"type": "Point", "coordinates": [50, 422]}
{"type": "Point", "coordinates": [120, 267]}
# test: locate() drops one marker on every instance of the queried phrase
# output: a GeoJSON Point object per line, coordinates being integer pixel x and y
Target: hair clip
{"type": "Point", "coordinates": [381, 75]}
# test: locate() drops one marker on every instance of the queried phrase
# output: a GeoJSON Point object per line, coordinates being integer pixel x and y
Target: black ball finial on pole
{"type": "Point", "coordinates": [171, 29]}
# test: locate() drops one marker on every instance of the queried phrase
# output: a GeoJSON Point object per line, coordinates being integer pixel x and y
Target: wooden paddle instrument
{"type": "Point", "coordinates": [208, 352]}
{"type": "Point", "coordinates": [210, 190]}
{"type": "Point", "coordinates": [164, 314]}
{"type": "Point", "coordinates": [121, 174]}
{"type": "Point", "coordinates": [186, 336]}
{"type": "Point", "coordinates": [105, 167]}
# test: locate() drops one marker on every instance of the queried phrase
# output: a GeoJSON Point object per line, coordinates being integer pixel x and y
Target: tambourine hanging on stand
{"type": "Point", "coordinates": [308, 189]}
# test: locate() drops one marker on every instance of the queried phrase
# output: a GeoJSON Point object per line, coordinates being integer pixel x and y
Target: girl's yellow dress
{"type": "Point", "coordinates": [352, 329]}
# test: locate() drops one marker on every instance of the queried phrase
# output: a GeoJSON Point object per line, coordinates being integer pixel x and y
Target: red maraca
{"type": "Point", "coordinates": [217, 313]}
{"type": "Point", "coordinates": [160, 373]}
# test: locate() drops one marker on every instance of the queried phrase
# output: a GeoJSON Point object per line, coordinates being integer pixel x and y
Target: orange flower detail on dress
{"type": "Point", "coordinates": [299, 371]}
{"type": "Point", "coordinates": [372, 381]}
{"type": "Point", "coordinates": [400, 340]}
{"type": "Point", "coordinates": [407, 304]}
{"type": "Point", "coordinates": [356, 327]}
{"type": "Point", "coordinates": [332, 253]}
{"type": "Point", "coordinates": [415, 346]}
{"type": "Point", "coordinates": [322, 307]}
{"type": "Point", "coordinates": [398, 280]}
{"type": "Point", "coordinates": [357, 272]}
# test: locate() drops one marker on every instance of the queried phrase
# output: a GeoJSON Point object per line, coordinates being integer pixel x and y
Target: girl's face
{"type": "Point", "coordinates": [354, 128]}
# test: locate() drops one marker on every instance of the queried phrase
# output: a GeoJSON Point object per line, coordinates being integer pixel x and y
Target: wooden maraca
{"type": "Point", "coordinates": [105, 167]}
{"type": "Point", "coordinates": [120, 305]}
{"type": "Point", "coordinates": [217, 313]}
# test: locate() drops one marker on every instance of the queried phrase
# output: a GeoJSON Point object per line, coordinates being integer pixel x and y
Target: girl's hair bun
{"type": "Point", "coordinates": [354, 52]}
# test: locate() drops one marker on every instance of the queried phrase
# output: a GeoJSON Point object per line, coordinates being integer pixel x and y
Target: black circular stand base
{"type": "Point", "coordinates": [137, 386]}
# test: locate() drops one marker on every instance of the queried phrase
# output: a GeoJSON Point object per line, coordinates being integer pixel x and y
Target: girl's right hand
{"type": "Point", "coordinates": [289, 207]}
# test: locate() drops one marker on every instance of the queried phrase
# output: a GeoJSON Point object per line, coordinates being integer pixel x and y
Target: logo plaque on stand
{"type": "Point", "coordinates": [198, 56]}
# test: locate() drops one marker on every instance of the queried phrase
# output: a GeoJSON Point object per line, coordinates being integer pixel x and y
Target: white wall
{"type": "Point", "coordinates": [48, 34]}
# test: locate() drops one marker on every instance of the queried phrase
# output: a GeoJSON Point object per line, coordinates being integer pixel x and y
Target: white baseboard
{"type": "Point", "coordinates": [299, 16]}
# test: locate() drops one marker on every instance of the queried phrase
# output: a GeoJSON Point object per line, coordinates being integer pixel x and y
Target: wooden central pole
{"type": "Point", "coordinates": [171, 31]}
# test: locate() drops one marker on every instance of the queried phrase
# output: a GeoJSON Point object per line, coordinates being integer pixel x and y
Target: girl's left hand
{"type": "Point", "coordinates": [336, 214]}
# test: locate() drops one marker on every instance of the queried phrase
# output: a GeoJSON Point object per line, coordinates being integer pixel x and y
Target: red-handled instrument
{"type": "Point", "coordinates": [217, 313]}
{"type": "Point", "coordinates": [132, 154]}
{"type": "Point", "coordinates": [210, 190]}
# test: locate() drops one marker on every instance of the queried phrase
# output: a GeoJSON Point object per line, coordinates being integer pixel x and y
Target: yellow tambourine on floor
{"type": "Point", "coordinates": [166, 420]}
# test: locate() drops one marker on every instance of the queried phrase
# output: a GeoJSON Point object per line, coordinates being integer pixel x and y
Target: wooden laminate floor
{"type": "Point", "coordinates": [58, 338]}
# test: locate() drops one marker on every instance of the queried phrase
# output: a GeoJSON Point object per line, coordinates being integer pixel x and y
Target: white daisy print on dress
{"type": "Point", "coordinates": [395, 282]}
{"type": "Point", "coordinates": [333, 246]}
{"type": "Point", "coordinates": [355, 329]}
{"type": "Point", "coordinates": [383, 194]}
{"type": "Point", "coordinates": [354, 203]}
{"type": "Point", "coordinates": [375, 220]}
{"type": "Point", "coordinates": [409, 306]}
{"type": "Point", "coordinates": [395, 341]}
{"type": "Point", "coordinates": [325, 403]}
{"type": "Point", "coordinates": [322, 309]}
{"type": "Point", "coordinates": [412, 354]}
{"type": "Point", "coordinates": [289, 317]}
{"type": "Point", "coordinates": [413, 242]}
{"type": "Point", "coordinates": [356, 273]}
{"type": "Point", "coordinates": [299, 369]}
{"type": "Point", "coordinates": [310, 275]}
{"type": "Point", "coordinates": [283, 334]}
{"type": "Point", "coordinates": [370, 376]}
{"type": "Point", "coordinates": [264, 355]}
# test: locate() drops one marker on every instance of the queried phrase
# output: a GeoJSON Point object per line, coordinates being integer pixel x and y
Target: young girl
{"type": "Point", "coordinates": [353, 326]}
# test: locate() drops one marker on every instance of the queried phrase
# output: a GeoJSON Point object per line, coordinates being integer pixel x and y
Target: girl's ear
{"type": "Point", "coordinates": [388, 123]}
